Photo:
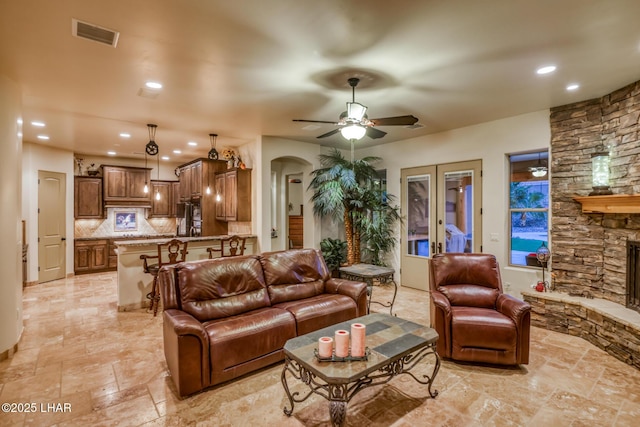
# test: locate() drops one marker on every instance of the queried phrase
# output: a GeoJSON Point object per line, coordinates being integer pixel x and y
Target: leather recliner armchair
{"type": "Point", "coordinates": [476, 321]}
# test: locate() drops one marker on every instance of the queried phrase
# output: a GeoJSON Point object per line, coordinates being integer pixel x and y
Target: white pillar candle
{"type": "Point", "coordinates": [342, 343]}
{"type": "Point", "coordinates": [358, 334]}
{"type": "Point", "coordinates": [325, 347]}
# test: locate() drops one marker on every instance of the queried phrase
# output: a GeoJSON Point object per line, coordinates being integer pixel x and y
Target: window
{"type": "Point", "coordinates": [528, 207]}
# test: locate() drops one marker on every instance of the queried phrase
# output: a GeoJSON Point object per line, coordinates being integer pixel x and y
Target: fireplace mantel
{"type": "Point", "coordinates": [615, 203]}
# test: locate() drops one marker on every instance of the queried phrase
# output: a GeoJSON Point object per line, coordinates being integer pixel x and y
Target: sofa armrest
{"type": "Point", "coordinates": [520, 312]}
{"type": "Point", "coordinates": [441, 322]}
{"type": "Point", "coordinates": [355, 290]}
{"type": "Point", "coordinates": [186, 349]}
{"type": "Point", "coordinates": [513, 308]}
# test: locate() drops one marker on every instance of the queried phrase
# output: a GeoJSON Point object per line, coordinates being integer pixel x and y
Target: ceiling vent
{"type": "Point", "coordinates": [94, 33]}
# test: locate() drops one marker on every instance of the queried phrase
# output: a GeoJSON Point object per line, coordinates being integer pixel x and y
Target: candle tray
{"type": "Point", "coordinates": [349, 358]}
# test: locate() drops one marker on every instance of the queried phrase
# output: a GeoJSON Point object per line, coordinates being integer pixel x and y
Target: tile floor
{"type": "Point", "coordinates": [109, 369]}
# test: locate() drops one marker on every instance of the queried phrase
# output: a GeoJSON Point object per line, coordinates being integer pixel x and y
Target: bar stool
{"type": "Point", "coordinates": [176, 251]}
{"type": "Point", "coordinates": [236, 246]}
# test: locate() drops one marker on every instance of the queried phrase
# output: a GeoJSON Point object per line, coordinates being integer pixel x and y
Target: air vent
{"type": "Point", "coordinates": [94, 33]}
{"type": "Point", "coordinates": [414, 126]}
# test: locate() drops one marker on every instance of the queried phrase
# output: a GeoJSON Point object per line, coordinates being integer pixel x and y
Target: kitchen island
{"type": "Point", "coordinates": [134, 284]}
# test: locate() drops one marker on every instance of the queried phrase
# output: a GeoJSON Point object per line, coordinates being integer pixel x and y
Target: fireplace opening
{"type": "Point", "coordinates": [633, 275]}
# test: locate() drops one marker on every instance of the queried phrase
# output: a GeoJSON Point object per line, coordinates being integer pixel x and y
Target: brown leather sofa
{"type": "Point", "coordinates": [476, 321]}
{"type": "Point", "coordinates": [226, 317]}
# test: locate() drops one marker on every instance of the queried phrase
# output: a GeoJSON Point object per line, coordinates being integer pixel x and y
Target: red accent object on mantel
{"type": "Point", "coordinates": [540, 287]}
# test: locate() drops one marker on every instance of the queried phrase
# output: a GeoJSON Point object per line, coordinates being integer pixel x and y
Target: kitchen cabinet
{"type": "Point", "coordinates": [163, 208]}
{"type": "Point", "coordinates": [195, 177]}
{"type": "Point", "coordinates": [124, 186]}
{"type": "Point", "coordinates": [87, 197]}
{"type": "Point", "coordinates": [175, 198]}
{"type": "Point", "coordinates": [185, 183]}
{"type": "Point", "coordinates": [234, 188]}
{"type": "Point", "coordinates": [91, 256]}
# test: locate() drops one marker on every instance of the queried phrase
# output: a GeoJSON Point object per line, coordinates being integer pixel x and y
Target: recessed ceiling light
{"type": "Point", "coordinates": [38, 124]}
{"type": "Point", "coordinates": [165, 157]}
{"type": "Point", "coordinates": [111, 153]}
{"type": "Point", "coordinates": [177, 151]}
{"type": "Point", "coordinates": [192, 143]}
{"type": "Point", "coordinates": [573, 86]}
{"type": "Point", "coordinates": [43, 137]}
{"type": "Point", "coordinates": [546, 69]}
{"type": "Point", "coordinates": [153, 85]}
{"type": "Point", "coordinates": [125, 135]}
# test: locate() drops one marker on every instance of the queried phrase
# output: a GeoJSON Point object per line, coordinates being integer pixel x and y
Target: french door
{"type": "Point", "coordinates": [442, 207]}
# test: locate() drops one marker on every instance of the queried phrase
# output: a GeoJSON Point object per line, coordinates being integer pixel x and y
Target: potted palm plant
{"type": "Point", "coordinates": [346, 191]}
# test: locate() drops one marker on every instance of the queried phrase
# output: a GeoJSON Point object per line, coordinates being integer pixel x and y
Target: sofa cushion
{"type": "Point", "coordinates": [222, 287]}
{"type": "Point", "coordinates": [239, 339]}
{"type": "Point", "coordinates": [294, 274]}
{"type": "Point", "coordinates": [320, 311]}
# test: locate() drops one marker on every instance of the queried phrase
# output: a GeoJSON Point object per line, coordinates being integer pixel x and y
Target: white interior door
{"type": "Point", "coordinates": [442, 207]}
{"type": "Point", "coordinates": [51, 226]}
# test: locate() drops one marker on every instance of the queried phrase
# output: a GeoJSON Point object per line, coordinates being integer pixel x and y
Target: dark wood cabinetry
{"type": "Point", "coordinates": [165, 207]}
{"type": "Point", "coordinates": [234, 188]}
{"type": "Point", "coordinates": [91, 256]}
{"type": "Point", "coordinates": [88, 197]}
{"type": "Point", "coordinates": [124, 186]}
{"type": "Point", "coordinates": [195, 177]}
{"type": "Point", "coordinates": [175, 197]}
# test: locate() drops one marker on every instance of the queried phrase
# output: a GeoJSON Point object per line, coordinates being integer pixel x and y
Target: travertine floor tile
{"type": "Point", "coordinates": [109, 367]}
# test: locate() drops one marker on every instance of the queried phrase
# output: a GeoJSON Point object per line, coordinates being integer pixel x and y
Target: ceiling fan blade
{"type": "Point", "coordinates": [325, 135]}
{"type": "Point", "coordinates": [315, 121]}
{"type": "Point", "coordinates": [374, 133]}
{"type": "Point", "coordinates": [395, 121]}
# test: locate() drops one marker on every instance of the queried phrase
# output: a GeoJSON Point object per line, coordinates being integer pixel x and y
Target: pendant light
{"type": "Point", "coordinates": [213, 153]}
{"type": "Point", "coordinates": [151, 149]}
{"type": "Point", "coordinates": [158, 187]}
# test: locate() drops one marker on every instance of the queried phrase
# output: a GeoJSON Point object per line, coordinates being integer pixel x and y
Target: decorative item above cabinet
{"type": "Point", "coordinates": [124, 186]}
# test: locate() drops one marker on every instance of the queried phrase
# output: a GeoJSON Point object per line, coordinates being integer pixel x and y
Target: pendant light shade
{"type": "Point", "coordinates": [213, 153]}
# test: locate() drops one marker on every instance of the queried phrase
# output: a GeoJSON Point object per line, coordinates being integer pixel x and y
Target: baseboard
{"type": "Point", "coordinates": [7, 354]}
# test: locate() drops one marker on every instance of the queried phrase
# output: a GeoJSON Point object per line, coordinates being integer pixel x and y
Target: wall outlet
{"type": "Point", "coordinates": [507, 286]}
{"type": "Point", "coordinates": [494, 237]}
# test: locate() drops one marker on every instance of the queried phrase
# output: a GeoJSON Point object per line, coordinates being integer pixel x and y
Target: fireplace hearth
{"type": "Point", "coordinates": [633, 275]}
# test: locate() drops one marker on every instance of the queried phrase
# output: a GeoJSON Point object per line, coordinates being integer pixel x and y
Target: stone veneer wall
{"type": "Point", "coordinates": [614, 330]}
{"type": "Point", "coordinates": [589, 250]}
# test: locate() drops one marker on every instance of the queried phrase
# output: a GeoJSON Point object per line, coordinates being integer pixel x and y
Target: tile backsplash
{"type": "Point", "coordinates": [107, 227]}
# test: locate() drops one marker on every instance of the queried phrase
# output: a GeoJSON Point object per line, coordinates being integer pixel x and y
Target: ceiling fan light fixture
{"type": "Point", "coordinates": [355, 111]}
{"type": "Point", "coordinates": [353, 132]}
{"type": "Point", "coordinates": [539, 172]}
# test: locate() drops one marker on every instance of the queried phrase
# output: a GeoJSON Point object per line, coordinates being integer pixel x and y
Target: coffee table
{"type": "Point", "coordinates": [396, 346]}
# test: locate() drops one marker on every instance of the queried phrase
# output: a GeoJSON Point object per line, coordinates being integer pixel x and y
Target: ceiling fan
{"type": "Point", "coordinates": [354, 123]}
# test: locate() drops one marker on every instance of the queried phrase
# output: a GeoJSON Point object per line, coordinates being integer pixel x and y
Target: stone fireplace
{"type": "Point", "coordinates": [633, 275]}
{"type": "Point", "coordinates": [589, 250]}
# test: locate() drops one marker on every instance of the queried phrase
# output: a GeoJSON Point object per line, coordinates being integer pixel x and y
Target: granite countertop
{"type": "Point", "coordinates": [127, 237]}
{"type": "Point", "coordinates": [144, 242]}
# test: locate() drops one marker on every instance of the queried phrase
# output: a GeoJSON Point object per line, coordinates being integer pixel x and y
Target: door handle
{"type": "Point", "coordinates": [433, 248]}
{"type": "Point", "coordinates": [439, 247]}
{"type": "Point", "coordinates": [63, 238]}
